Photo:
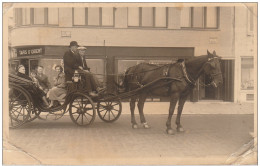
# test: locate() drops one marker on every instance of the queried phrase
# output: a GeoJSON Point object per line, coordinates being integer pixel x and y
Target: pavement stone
{"type": "Point", "coordinates": [208, 139]}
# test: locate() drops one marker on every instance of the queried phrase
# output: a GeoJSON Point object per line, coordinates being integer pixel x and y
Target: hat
{"type": "Point", "coordinates": [82, 48]}
{"type": "Point", "coordinates": [73, 43]}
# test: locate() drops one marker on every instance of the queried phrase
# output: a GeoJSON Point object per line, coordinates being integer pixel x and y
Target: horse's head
{"type": "Point", "coordinates": [212, 68]}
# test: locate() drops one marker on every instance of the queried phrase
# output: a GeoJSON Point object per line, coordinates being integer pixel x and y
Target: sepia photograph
{"type": "Point", "coordinates": [130, 83]}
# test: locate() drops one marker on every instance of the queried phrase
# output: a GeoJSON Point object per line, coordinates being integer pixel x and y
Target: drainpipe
{"type": "Point", "coordinates": [236, 63]}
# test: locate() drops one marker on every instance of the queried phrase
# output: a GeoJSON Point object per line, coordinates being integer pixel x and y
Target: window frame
{"type": "Point", "coordinates": [247, 57]}
{"type": "Point", "coordinates": [204, 19]}
{"type": "Point", "coordinates": [100, 19]}
{"type": "Point", "coordinates": [19, 17]}
{"type": "Point", "coordinates": [153, 15]}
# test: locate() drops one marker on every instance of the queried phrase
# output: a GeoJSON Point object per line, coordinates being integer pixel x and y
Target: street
{"type": "Point", "coordinates": [208, 139]}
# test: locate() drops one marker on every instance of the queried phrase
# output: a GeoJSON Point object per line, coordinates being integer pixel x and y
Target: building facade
{"type": "Point", "coordinates": [120, 37]}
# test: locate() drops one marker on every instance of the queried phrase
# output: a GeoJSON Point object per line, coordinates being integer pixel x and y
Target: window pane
{"type": "Point", "coordinates": [185, 17]}
{"type": "Point", "coordinates": [39, 16]}
{"type": "Point", "coordinates": [133, 16]}
{"type": "Point", "coordinates": [247, 73]}
{"type": "Point", "coordinates": [198, 17]}
{"type": "Point", "coordinates": [26, 19]}
{"type": "Point", "coordinates": [53, 16]}
{"type": "Point", "coordinates": [211, 17]}
{"type": "Point", "coordinates": [107, 16]}
{"type": "Point", "coordinates": [93, 16]}
{"type": "Point", "coordinates": [79, 16]}
{"type": "Point", "coordinates": [147, 16]}
{"type": "Point", "coordinates": [160, 16]}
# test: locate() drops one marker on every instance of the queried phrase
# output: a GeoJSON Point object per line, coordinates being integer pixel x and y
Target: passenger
{"type": "Point", "coordinates": [58, 92]}
{"type": "Point", "coordinates": [35, 80]}
{"type": "Point", "coordinates": [73, 61]}
{"type": "Point", "coordinates": [43, 79]}
{"type": "Point", "coordinates": [21, 73]}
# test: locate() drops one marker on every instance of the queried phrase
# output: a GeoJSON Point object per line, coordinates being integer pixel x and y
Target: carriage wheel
{"type": "Point", "coordinates": [82, 110]}
{"type": "Point", "coordinates": [109, 110]}
{"type": "Point", "coordinates": [32, 116]}
{"type": "Point", "coordinates": [19, 106]}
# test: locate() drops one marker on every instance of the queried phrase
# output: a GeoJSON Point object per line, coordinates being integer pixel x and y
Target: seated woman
{"type": "Point", "coordinates": [21, 73]}
{"type": "Point", "coordinates": [58, 92]}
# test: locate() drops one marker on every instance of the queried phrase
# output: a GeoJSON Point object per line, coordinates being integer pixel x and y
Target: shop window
{"type": "Point", "coordinates": [247, 74]}
{"type": "Point", "coordinates": [53, 16]}
{"type": "Point", "coordinates": [199, 17]}
{"type": "Point", "coordinates": [160, 16]}
{"type": "Point", "coordinates": [107, 16]}
{"type": "Point", "coordinates": [97, 67]}
{"type": "Point", "coordinates": [79, 16]}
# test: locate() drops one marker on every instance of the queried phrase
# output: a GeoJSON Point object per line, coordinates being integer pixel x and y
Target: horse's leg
{"type": "Point", "coordinates": [182, 101]}
{"type": "Point", "coordinates": [141, 110]}
{"type": "Point", "coordinates": [132, 108]}
{"type": "Point", "coordinates": [174, 99]}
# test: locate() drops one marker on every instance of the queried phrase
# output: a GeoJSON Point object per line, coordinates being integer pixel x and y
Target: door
{"type": "Point", "coordinates": [224, 92]}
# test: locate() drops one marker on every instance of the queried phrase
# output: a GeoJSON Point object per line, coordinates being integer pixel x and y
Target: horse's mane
{"type": "Point", "coordinates": [197, 60]}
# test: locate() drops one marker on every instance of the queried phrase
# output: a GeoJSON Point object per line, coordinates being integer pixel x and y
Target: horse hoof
{"type": "Point", "coordinates": [170, 131]}
{"type": "Point", "coordinates": [134, 126]}
{"type": "Point", "coordinates": [180, 129]}
{"type": "Point", "coordinates": [146, 126]}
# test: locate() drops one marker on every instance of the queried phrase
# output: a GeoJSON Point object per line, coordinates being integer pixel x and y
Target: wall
{"type": "Point", "coordinates": [219, 40]}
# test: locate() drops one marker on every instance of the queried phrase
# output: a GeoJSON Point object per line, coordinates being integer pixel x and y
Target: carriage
{"type": "Point", "coordinates": [175, 80]}
{"type": "Point", "coordinates": [25, 105]}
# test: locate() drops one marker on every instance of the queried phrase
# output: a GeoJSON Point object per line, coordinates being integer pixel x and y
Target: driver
{"type": "Point", "coordinates": [74, 60]}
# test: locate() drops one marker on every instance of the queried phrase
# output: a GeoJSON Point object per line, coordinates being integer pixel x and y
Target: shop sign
{"type": "Point", "coordinates": [30, 51]}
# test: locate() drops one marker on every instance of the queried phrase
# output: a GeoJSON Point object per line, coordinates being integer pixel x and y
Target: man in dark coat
{"type": "Point", "coordinates": [73, 61]}
{"type": "Point", "coordinates": [43, 79]}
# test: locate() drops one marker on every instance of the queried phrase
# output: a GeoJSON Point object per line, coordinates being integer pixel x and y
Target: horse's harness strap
{"type": "Point", "coordinates": [185, 73]}
{"type": "Point", "coordinates": [166, 71]}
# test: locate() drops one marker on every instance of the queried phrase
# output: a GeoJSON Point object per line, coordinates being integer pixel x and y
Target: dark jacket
{"type": "Point", "coordinates": [72, 61]}
{"type": "Point", "coordinates": [43, 81]}
{"type": "Point", "coordinates": [38, 91]}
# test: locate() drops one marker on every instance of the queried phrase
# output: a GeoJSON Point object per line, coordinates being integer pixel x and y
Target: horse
{"type": "Point", "coordinates": [185, 74]}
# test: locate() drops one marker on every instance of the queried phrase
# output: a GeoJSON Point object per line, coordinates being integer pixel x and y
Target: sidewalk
{"type": "Point", "coordinates": [203, 107]}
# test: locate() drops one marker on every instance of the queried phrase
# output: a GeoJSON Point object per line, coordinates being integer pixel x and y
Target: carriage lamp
{"type": "Point", "coordinates": [76, 76]}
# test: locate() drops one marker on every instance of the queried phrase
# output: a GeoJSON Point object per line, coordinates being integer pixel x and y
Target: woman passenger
{"type": "Point", "coordinates": [58, 92]}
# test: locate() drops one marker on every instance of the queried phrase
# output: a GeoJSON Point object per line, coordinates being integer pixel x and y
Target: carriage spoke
{"type": "Point", "coordinates": [114, 109]}
{"type": "Point", "coordinates": [105, 114]}
{"type": "Point", "coordinates": [115, 104]}
{"type": "Point", "coordinates": [109, 115]}
{"type": "Point", "coordinates": [101, 110]}
{"type": "Point", "coordinates": [77, 117]}
{"type": "Point", "coordinates": [86, 117]}
{"type": "Point", "coordinates": [82, 119]}
{"type": "Point", "coordinates": [113, 114]}
{"type": "Point", "coordinates": [89, 114]}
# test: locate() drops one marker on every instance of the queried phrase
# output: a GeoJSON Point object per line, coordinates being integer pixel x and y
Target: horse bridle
{"type": "Point", "coordinates": [202, 84]}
